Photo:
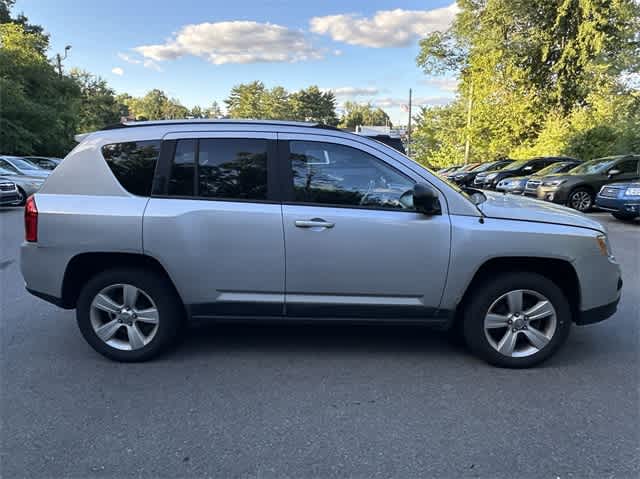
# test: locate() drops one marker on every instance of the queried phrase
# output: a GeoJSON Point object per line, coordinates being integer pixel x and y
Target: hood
{"type": "Point", "coordinates": [38, 173]}
{"type": "Point", "coordinates": [25, 178]}
{"type": "Point", "coordinates": [510, 207]}
{"type": "Point", "coordinates": [625, 184]}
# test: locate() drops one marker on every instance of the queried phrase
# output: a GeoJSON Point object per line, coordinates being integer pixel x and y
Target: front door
{"type": "Point", "coordinates": [354, 246]}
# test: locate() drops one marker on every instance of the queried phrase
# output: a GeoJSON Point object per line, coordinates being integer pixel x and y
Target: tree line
{"type": "Point", "coordinates": [41, 109]}
{"type": "Point", "coordinates": [535, 78]}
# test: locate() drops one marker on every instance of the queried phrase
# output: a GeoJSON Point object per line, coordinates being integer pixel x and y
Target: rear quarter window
{"type": "Point", "coordinates": [133, 164]}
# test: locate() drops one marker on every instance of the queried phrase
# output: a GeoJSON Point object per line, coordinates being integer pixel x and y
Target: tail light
{"type": "Point", "coordinates": [31, 220]}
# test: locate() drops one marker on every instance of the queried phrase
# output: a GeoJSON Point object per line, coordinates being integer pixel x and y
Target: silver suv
{"type": "Point", "coordinates": [147, 225]}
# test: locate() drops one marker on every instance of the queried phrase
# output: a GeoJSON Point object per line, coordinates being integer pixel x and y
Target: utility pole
{"type": "Point", "coordinates": [467, 145]}
{"type": "Point", "coordinates": [59, 59]}
{"type": "Point", "coordinates": [409, 127]}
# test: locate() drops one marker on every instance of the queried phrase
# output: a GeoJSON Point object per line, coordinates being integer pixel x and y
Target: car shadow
{"type": "Point", "coordinates": [316, 337]}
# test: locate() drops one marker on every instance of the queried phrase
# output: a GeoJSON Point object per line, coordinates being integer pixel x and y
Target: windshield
{"type": "Point", "coordinates": [24, 164]}
{"type": "Point", "coordinates": [6, 166]}
{"type": "Point", "coordinates": [5, 171]}
{"type": "Point", "coordinates": [485, 166]}
{"type": "Point", "coordinates": [552, 168]}
{"type": "Point", "coordinates": [515, 165]}
{"type": "Point", "coordinates": [594, 166]}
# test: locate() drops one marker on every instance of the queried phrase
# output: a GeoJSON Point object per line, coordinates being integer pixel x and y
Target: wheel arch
{"type": "Point", "coordinates": [86, 265]}
{"type": "Point", "coordinates": [560, 271]}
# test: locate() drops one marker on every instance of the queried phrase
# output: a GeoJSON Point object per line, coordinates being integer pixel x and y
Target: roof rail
{"type": "Point", "coordinates": [132, 124]}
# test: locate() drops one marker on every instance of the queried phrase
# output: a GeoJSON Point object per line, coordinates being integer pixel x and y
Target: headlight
{"type": "Point", "coordinates": [553, 182]}
{"type": "Point", "coordinates": [491, 176]}
{"type": "Point", "coordinates": [603, 244]}
{"type": "Point", "coordinates": [635, 191]}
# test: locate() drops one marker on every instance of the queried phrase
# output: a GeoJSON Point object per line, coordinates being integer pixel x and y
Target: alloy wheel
{"type": "Point", "coordinates": [520, 323]}
{"type": "Point", "coordinates": [581, 201]}
{"type": "Point", "coordinates": [124, 317]}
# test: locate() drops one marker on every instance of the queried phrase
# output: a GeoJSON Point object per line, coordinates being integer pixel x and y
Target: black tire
{"type": "Point", "coordinates": [23, 201]}
{"type": "Point", "coordinates": [485, 295]}
{"type": "Point", "coordinates": [158, 288]}
{"type": "Point", "coordinates": [572, 199]}
{"type": "Point", "coordinates": [623, 216]}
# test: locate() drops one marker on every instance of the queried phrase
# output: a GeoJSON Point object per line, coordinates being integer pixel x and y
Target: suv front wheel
{"type": "Point", "coordinates": [129, 314]}
{"type": "Point", "coordinates": [517, 320]}
{"type": "Point", "coordinates": [580, 199]}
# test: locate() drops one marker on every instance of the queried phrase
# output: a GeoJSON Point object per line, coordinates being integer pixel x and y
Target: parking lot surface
{"type": "Point", "coordinates": [320, 400]}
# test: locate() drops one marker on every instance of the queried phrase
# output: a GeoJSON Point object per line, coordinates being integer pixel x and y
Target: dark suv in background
{"type": "Point", "coordinates": [517, 168]}
{"type": "Point", "coordinates": [466, 178]}
{"type": "Point", "coordinates": [578, 188]}
{"type": "Point", "coordinates": [531, 186]}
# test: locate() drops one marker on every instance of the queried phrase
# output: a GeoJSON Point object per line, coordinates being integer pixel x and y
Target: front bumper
{"type": "Point", "coordinates": [619, 205]}
{"type": "Point", "coordinates": [10, 199]}
{"type": "Point", "coordinates": [552, 194]}
{"type": "Point", "coordinates": [595, 315]}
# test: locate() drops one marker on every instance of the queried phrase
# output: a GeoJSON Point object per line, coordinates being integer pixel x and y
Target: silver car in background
{"type": "Point", "coordinates": [9, 194]}
{"type": "Point", "coordinates": [147, 225]}
{"type": "Point", "coordinates": [23, 166]}
{"type": "Point", "coordinates": [26, 185]}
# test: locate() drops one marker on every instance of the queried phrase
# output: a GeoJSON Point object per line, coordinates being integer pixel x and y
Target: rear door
{"type": "Point", "coordinates": [215, 224]}
{"type": "Point", "coordinates": [355, 247]}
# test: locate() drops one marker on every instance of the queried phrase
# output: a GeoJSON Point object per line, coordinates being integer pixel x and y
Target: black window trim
{"type": "Point", "coordinates": [165, 162]}
{"type": "Point", "coordinates": [286, 179]}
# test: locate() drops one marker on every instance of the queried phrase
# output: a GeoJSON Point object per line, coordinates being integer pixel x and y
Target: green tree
{"type": "Point", "coordinates": [155, 105]}
{"type": "Point", "coordinates": [358, 114]}
{"type": "Point", "coordinates": [39, 108]}
{"type": "Point", "coordinates": [247, 101]}
{"type": "Point", "coordinates": [526, 65]}
{"type": "Point", "coordinates": [214, 110]}
{"type": "Point", "coordinates": [312, 104]}
{"type": "Point", "coordinates": [98, 104]}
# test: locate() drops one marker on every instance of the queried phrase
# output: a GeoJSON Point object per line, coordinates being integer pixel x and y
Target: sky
{"type": "Point", "coordinates": [197, 50]}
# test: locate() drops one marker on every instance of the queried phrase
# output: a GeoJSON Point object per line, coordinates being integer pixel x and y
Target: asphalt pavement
{"type": "Point", "coordinates": [318, 401]}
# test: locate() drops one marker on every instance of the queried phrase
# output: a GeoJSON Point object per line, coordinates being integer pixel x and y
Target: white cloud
{"type": "Point", "coordinates": [128, 58]}
{"type": "Point", "coordinates": [351, 91]}
{"type": "Point", "coordinates": [445, 84]}
{"type": "Point", "coordinates": [387, 28]}
{"type": "Point", "coordinates": [234, 42]}
{"type": "Point", "coordinates": [117, 71]}
{"type": "Point", "coordinates": [416, 102]}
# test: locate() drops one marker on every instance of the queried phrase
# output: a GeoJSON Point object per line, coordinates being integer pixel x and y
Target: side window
{"type": "Point", "coordinates": [225, 168]}
{"type": "Point", "coordinates": [133, 164]}
{"type": "Point", "coordinates": [628, 166]}
{"type": "Point", "coordinates": [233, 168]}
{"type": "Point", "coordinates": [182, 178]}
{"type": "Point", "coordinates": [331, 174]}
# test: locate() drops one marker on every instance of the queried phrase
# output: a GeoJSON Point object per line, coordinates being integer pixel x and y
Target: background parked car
{"type": "Point", "coordinates": [44, 162]}
{"type": "Point", "coordinates": [465, 168]}
{"type": "Point", "coordinates": [466, 178]}
{"type": "Point", "coordinates": [449, 169]}
{"type": "Point", "coordinates": [621, 199]}
{"type": "Point", "coordinates": [517, 168]}
{"type": "Point", "coordinates": [9, 194]}
{"type": "Point", "coordinates": [531, 188]}
{"type": "Point", "coordinates": [22, 166]}
{"type": "Point", "coordinates": [517, 185]}
{"type": "Point", "coordinates": [577, 188]}
{"type": "Point", "coordinates": [27, 185]}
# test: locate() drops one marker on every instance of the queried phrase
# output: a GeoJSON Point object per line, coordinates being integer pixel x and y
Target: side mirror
{"type": "Point", "coordinates": [425, 199]}
{"type": "Point", "coordinates": [614, 172]}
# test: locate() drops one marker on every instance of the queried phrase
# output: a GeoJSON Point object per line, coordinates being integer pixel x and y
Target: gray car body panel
{"type": "Point", "coordinates": [225, 253]}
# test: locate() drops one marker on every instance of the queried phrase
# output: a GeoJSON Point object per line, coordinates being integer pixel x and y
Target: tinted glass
{"type": "Point", "coordinates": [233, 168]}
{"type": "Point", "coordinates": [24, 164]}
{"type": "Point", "coordinates": [182, 178]}
{"type": "Point", "coordinates": [5, 165]}
{"type": "Point", "coordinates": [594, 166]}
{"type": "Point", "coordinates": [133, 164]}
{"type": "Point", "coordinates": [331, 174]}
{"type": "Point", "coordinates": [516, 165]}
{"type": "Point", "coordinates": [627, 166]}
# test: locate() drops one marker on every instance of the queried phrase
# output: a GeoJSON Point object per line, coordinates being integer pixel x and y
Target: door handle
{"type": "Point", "coordinates": [314, 223]}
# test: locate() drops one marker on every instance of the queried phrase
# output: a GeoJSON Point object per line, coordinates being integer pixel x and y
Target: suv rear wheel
{"type": "Point", "coordinates": [517, 320]}
{"type": "Point", "coordinates": [129, 314]}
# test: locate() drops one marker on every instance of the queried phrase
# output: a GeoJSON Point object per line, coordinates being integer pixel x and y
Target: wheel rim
{"type": "Point", "coordinates": [124, 317]}
{"type": "Point", "coordinates": [581, 200]}
{"type": "Point", "coordinates": [520, 323]}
